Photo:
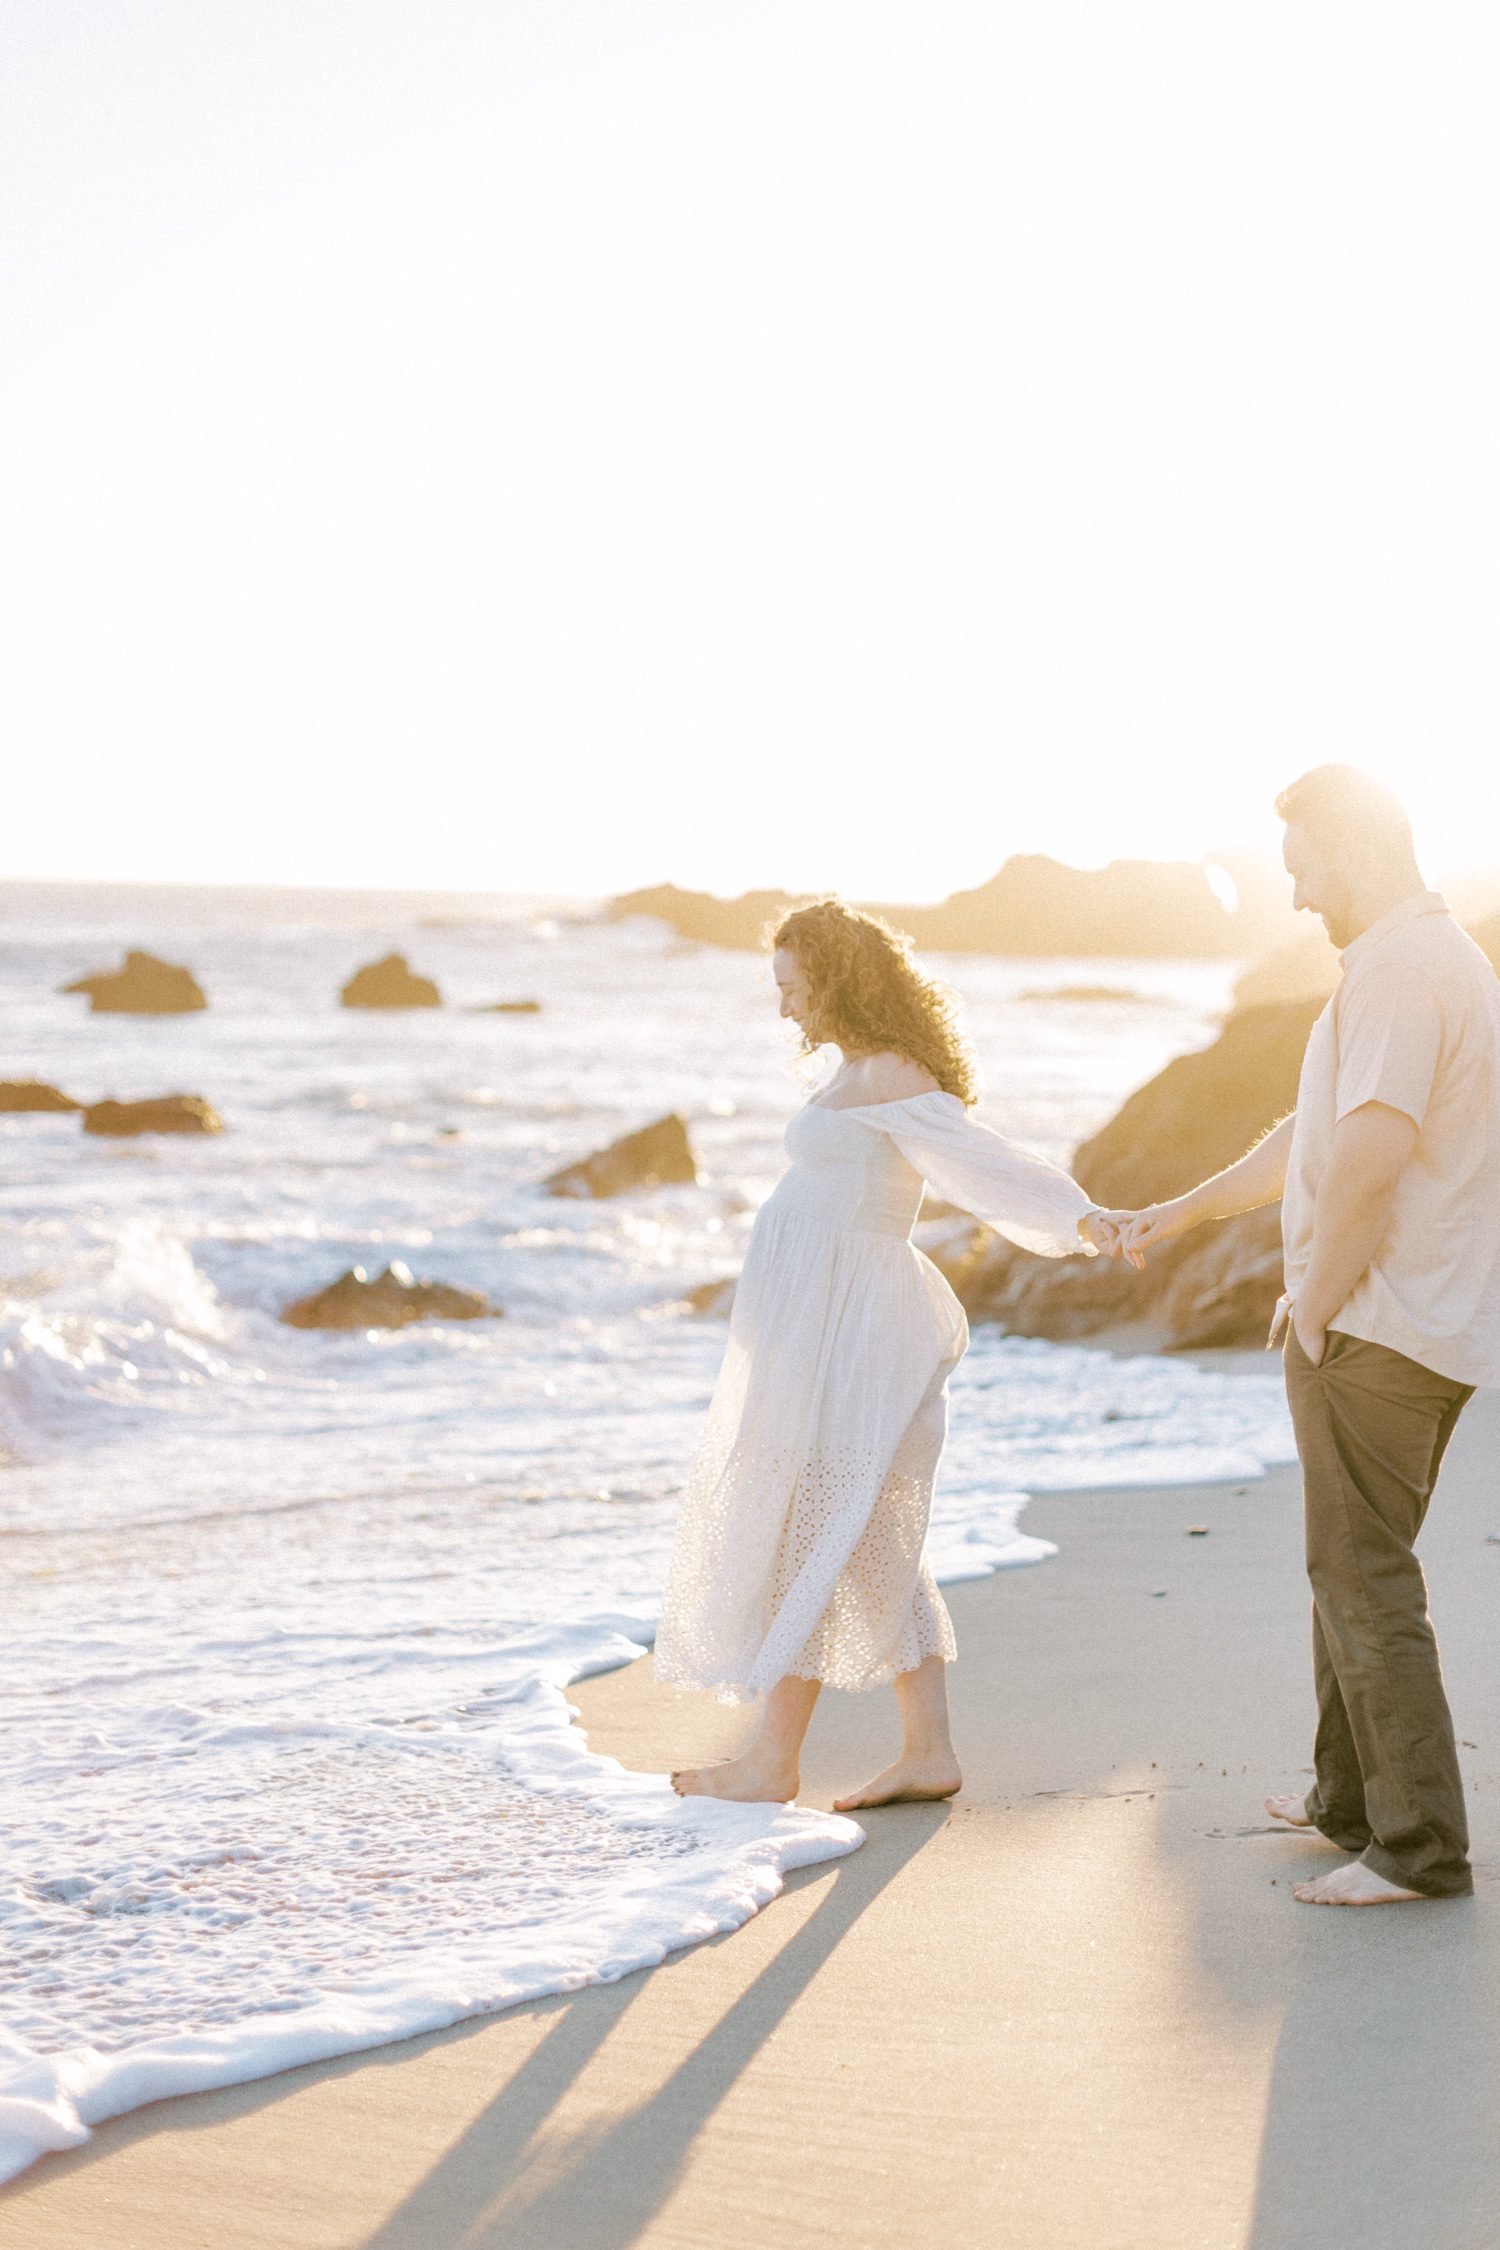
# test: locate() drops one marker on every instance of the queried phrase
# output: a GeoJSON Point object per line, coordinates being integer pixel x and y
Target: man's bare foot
{"type": "Point", "coordinates": [907, 1782]}
{"type": "Point", "coordinates": [1353, 1885]}
{"type": "Point", "coordinates": [750, 1780]}
{"type": "Point", "coordinates": [1293, 1810]}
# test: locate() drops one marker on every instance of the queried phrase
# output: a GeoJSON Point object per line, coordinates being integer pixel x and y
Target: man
{"type": "Point", "coordinates": [1389, 1170]}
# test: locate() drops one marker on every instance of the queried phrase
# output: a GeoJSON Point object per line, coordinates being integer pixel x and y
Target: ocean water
{"type": "Point", "coordinates": [286, 1766]}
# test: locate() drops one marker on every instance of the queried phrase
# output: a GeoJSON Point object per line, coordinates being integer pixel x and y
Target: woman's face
{"type": "Point", "coordinates": [791, 983]}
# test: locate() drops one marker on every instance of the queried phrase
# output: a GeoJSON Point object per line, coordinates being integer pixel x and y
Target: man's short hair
{"type": "Point", "coordinates": [1348, 812]}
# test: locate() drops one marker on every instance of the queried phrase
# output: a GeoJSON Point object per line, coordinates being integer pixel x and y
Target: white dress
{"type": "Point", "coordinates": [799, 1548]}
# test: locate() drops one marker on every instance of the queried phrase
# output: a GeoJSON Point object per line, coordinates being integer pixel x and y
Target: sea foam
{"type": "Point", "coordinates": [164, 1937]}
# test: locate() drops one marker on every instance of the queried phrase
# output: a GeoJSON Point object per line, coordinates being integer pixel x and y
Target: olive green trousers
{"type": "Point", "coordinates": [1372, 1427]}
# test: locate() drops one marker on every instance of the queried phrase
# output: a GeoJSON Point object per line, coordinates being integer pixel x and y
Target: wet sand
{"type": "Point", "coordinates": [1078, 2007]}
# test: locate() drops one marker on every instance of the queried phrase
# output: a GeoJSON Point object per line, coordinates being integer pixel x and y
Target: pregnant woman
{"type": "Point", "coordinates": [799, 1554]}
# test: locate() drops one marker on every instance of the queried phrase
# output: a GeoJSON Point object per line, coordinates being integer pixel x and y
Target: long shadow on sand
{"type": "Point", "coordinates": [507, 2183]}
{"type": "Point", "coordinates": [1382, 2117]}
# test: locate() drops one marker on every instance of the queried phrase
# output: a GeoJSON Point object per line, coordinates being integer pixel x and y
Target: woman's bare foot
{"type": "Point", "coordinates": [1353, 1885]}
{"type": "Point", "coordinates": [1293, 1810]}
{"type": "Point", "coordinates": [908, 1782]}
{"type": "Point", "coordinates": [751, 1780]}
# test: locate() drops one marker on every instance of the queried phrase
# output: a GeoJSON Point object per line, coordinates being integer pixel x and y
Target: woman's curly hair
{"type": "Point", "coordinates": [869, 996]}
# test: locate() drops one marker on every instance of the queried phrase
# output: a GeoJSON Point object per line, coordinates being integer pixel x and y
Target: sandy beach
{"type": "Point", "coordinates": [1076, 2007]}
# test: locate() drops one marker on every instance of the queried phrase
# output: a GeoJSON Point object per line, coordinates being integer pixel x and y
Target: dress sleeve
{"type": "Point", "coordinates": [1031, 1202]}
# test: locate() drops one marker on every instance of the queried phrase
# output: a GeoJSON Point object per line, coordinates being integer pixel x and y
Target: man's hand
{"type": "Point", "coordinates": [1112, 1233]}
{"type": "Point", "coordinates": [1314, 1341]}
{"type": "Point", "coordinates": [1140, 1231]}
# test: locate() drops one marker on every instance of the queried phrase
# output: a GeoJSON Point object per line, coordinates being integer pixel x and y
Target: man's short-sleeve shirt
{"type": "Point", "coordinates": [1414, 1024]}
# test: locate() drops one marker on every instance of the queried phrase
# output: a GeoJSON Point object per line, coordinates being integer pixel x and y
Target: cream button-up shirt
{"type": "Point", "coordinates": [1415, 1024]}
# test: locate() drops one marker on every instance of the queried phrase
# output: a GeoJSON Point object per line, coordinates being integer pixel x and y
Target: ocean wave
{"type": "Point", "coordinates": [136, 1316]}
{"type": "Point", "coordinates": [199, 1943]}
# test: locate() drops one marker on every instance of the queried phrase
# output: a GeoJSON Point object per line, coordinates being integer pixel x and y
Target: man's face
{"type": "Point", "coordinates": [1317, 886]}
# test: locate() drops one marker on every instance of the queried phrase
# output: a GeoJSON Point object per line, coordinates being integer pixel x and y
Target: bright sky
{"type": "Point", "coordinates": [561, 444]}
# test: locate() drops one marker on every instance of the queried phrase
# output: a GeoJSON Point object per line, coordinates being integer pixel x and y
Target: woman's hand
{"type": "Point", "coordinates": [1098, 1229]}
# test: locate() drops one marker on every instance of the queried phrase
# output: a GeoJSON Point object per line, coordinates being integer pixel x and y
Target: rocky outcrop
{"type": "Point", "coordinates": [33, 1094]}
{"type": "Point", "coordinates": [389, 983]}
{"type": "Point", "coordinates": [393, 1299]}
{"type": "Point", "coordinates": [658, 1155]}
{"type": "Point", "coordinates": [1222, 1286]}
{"type": "Point", "coordinates": [710, 1300]}
{"type": "Point", "coordinates": [1033, 906]}
{"type": "Point", "coordinates": [1063, 1299]}
{"type": "Point", "coordinates": [144, 986]}
{"type": "Point", "coordinates": [1036, 905]}
{"type": "Point", "coordinates": [1202, 1111]}
{"type": "Point", "coordinates": [167, 1113]}
{"type": "Point", "coordinates": [507, 1008]}
{"type": "Point", "coordinates": [1218, 1285]}
{"type": "Point", "coordinates": [739, 923]}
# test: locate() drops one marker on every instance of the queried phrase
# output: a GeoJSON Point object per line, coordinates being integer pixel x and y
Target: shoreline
{"type": "Point", "coordinates": [1075, 2006]}
{"type": "Point", "coordinates": [739, 1860]}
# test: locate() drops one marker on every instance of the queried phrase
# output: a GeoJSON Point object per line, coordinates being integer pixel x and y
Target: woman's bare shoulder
{"type": "Point", "coordinates": [894, 1078]}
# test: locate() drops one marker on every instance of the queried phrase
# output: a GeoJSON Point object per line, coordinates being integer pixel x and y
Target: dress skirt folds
{"type": "Point", "coordinates": [799, 1549]}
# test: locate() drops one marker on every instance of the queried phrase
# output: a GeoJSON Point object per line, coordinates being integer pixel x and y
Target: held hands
{"type": "Point", "coordinates": [1108, 1232]}
{"type": "Point", "coordinates": [1098, 1230]}
{"type": "Point", "coordinates": [1130, 1234]}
